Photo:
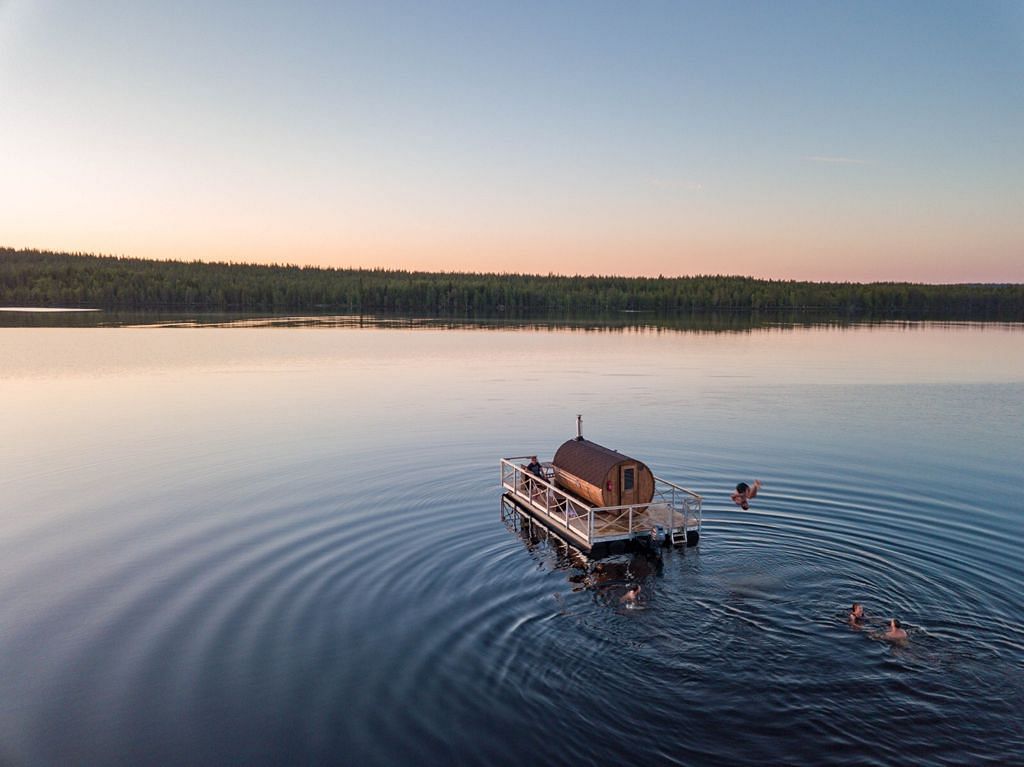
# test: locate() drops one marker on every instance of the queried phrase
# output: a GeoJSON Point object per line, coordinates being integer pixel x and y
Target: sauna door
{"type": "Point", "coordinates": [628, 480]}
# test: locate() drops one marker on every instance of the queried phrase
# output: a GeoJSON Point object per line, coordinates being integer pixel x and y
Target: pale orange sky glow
{"type": "Point", "coordinates": [573, 142]}
{"type": "Point", "coordinates": [938, 255]}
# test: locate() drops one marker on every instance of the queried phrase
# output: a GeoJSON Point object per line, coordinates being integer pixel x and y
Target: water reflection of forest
{"type": "Point", "coordinates": [623, 322]}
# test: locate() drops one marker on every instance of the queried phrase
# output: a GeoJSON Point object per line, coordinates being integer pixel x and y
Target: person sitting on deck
{"type": "Point", "coordinates": [534, 467]}
{"type": "Point", "coordinates": [745, 493]}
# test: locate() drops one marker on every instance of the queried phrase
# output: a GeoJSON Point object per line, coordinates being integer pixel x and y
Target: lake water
{"type": "Point", "coordinates": [285, 545]}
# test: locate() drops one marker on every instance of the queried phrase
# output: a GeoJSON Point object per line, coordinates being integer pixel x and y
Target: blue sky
{"type": "Point", "coordinates": [855, 141]}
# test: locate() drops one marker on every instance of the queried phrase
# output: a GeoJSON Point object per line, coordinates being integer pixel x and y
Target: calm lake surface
{"type": "Point", "coordinates": [284, 545]}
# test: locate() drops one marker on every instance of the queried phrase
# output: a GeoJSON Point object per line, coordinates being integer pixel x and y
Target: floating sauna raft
{"type": "Point", "coordinates": [591, 496]}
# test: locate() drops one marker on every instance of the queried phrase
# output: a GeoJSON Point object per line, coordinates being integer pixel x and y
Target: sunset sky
{"type": "Point", "coordinates": [809, 140]}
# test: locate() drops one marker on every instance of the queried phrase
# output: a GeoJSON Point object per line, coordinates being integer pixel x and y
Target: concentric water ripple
{"type": "Point", "coordinates": [348, 592]}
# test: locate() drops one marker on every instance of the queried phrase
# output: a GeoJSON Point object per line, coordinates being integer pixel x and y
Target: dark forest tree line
{"type": "Point", "coordinates": [40, 278]}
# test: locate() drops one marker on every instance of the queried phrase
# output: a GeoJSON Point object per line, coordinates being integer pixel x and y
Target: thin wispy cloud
{"type": "Point", "coordinates": [835, 160]}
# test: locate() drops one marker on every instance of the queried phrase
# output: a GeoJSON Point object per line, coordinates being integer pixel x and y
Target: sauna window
{"type": "Point", "coordinates": [627, 479]}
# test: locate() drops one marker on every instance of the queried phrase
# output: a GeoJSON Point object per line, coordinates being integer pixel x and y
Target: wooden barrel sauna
{"type": "Point", "coordinates": [601, 476]}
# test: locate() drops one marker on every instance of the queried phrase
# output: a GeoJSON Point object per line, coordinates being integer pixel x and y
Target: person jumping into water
{"type": "Point", "coordinates": [745, 493]}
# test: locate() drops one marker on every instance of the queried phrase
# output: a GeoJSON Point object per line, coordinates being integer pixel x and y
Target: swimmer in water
{"type": "Point", "coordinates": [631, 595]}
{"type": "Point", "coordinates": [857, 613]}
{"type": "Point", "coordinates": [745, 493]}
{"type": "Point", "coordinates": [895, 633]}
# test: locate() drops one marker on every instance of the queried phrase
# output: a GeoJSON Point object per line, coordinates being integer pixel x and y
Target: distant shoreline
{"type": "Point", "coordinates": [30, 278]}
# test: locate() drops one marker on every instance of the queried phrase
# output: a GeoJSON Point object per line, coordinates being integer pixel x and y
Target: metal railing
{"type": "Point", "coordinates": [684, 502]}
{"type": "Point", "coordinates": [679, 508]}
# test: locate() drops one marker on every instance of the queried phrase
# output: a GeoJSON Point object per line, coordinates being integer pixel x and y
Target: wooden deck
{"type": "Point", "coordinates": [653, 516]}
{"type": "Point", "coordinates": [669, 518]}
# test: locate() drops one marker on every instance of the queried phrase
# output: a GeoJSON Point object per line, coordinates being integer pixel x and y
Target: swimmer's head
{"type": "Point", "coordinates": [896, 624]}
{"type": "Point", "coordinates": [742, 487]}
